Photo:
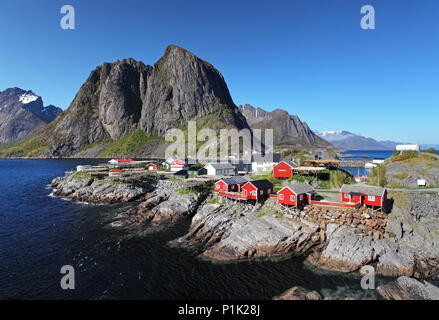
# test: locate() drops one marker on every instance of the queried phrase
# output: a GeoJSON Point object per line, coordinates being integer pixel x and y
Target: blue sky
{"type": "Point", "coordinates": [306, 56]}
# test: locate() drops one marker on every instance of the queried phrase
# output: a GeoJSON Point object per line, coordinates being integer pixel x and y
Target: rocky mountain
{"type": "Point", "coordinates": [351, 141]}
{"type": "Point", "coordinates": [21, 113]}
{"type": "Point", "coordinates": [288, 129]}
{"type": "Point", "coordinates": [128, 96]}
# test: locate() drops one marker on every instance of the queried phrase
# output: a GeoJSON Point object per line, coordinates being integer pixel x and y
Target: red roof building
{"type": "Point", "coordinates": [284, 169]}
{"type": "Point", "coordinates": [296, 194]}
{"type": "Point", "coordinates": [364, 195]}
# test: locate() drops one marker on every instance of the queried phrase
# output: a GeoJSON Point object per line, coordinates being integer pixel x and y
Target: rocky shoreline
{"type": "Point", "coordinates": [402, 243]}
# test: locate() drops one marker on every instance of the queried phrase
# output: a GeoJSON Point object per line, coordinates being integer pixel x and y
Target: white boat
{"type": "Point", "coordinates": [370, 165]}
{"type": "Point", "coordinates": [83, 167]}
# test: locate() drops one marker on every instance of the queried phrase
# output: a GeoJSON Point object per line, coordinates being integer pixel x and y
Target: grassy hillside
{"type": "Point", "coordinates": [134, 143]}
{"type": "Point", "coordinates": [326, 180]}
{"type": "Point", "coordinates": [404, 169]}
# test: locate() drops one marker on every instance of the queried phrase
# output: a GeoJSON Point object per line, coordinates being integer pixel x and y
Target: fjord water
{"type": "Point", "coordinates": [39, 234]}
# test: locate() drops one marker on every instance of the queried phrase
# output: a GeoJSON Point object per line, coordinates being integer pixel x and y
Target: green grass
{"type": "Point", "coordinates": [134, 143]}
{"type": "Point", "coordinates": [185, 190]}
{"type": "Point", "coordinates": [30, 147]}
{"type": "Point", "coordinates": [81, 175]}
{"type": "Point", "coordinates": [212, 201]}
{"type": "Point", "coordinates": [400, 176]}
{"type": "Point", "coordinates": [335, 179]}
{"type": "Point", "coordinates": [411, 157]}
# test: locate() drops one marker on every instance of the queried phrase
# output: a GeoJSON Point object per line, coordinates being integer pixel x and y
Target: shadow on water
{"type": "Point", "coordinates": [39, 234]}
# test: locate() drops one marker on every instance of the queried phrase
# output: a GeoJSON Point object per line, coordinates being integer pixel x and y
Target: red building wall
{"type": "Point", "coordinates": [297, 200]}
{"type": "Point", "coordinates": [222, 186]}
{"type": "Point", "coordinates": [282, 170]}
{"type": "Point", "coordinates": [248, 188]}
{"type": "Point", "coordinates": [353, 198]}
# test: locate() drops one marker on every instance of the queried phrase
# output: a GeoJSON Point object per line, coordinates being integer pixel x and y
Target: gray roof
{"type": "Point", "coordinates": [235, 180]}
{"type": "Point", "coordinates": [300, 187]}
{"type": "Point", "coordinates": [260, 184]}
{"type": "Point", "coordinates": [275, 157]}
{"type": "Point", "coordinates": [290, 163]}
{"type": "Point", "coordinates": [363, 189]}
{"type": "Point", "coordinates": [222, 166]}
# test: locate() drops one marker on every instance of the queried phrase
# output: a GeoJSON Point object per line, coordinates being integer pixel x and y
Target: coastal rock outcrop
{"type": "Point", "coordinates": [299, 293]}
{"type": "Point", "coordinates": [405, 288]}
{"type": "Point", "coordinates": [88, 189]}
{"type": "Point", "coordinates": [234, 231]}
{"type": "Point", "coordinates": [347, 251]}
{"type": "Point", "coordinates": [166, 204]}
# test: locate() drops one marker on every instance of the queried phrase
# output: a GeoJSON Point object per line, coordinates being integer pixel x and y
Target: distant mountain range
{"type": "Point", "coordinates": [288, 130]}
{"type": "Point", "coordinates": [351, 141]}
{"type": "Point", "coordinates": [126, 108]}
{"type": "Point", "coordinates": [22, 113]}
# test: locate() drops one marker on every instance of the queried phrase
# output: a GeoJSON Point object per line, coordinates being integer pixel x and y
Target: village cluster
{"type": "Point", "coordinates": [233, 181]}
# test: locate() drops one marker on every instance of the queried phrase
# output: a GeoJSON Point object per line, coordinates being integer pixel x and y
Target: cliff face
{"type": "Point", "coordinates": [126, 96]}
{"type": "Point", "coordinates": [21, 113]}
{"type": "Point", "coordinates": [288, 129]}
{"type": "Point", "coordinates": [182, 87]}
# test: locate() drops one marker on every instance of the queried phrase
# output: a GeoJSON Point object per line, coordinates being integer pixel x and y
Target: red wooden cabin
{"type": "Point", "coordinates": [257, 190]}
{"type": "Point", "coordinates": [178, 165]}
{"type": "Point", "coordinates": [364, 194]}
{"type": "Point", "coordinates": [151, 166]}
{"type": "Point", "coordinates": [233, 184]}
{"type": "Point", "coordinates": [284, 169]}
{"type": "Point", "coordinates": [296, 194]}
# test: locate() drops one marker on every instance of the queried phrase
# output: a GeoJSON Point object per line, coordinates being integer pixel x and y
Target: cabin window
{"type": "Point", "coordinates": [217, 186]}
{"type": "Point", "coordinates": [347, 196]}
{"type": "Point", "coordinates": [253, 193]}
{"type": "Point", "coordinates": [301, 197]}
{"type": "Point", "coordinates": [269, 190]}
{"type": "Point", "coordinates": [281, 197]}
{"type": "Point", "coordinates": [371, 198]}
{"type": "Point", "coordinates": [292, 198]}
{"type": "Point", "coordinates": [261, 192]}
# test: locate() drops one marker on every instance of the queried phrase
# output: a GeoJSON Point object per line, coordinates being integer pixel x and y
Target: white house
{"type": "Point", "coordinates": [219, 169]}
{"type": "Point", "coordinates": [265, 163]}
{"type": "Point", "coordinates": [408, 147]}
{"type": "Point", "coordinates": [178, 165]}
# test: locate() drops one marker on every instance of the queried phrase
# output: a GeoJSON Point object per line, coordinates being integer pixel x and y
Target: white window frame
{"type": "Point", "coordinates": [218, 186]}
{"type": "Point", "coordinates": [261, 192]}
{"type": "Point", "coordinates": [292, 198]}
{"type": "Point", "coordinates": [371, 198]}
{"type": "Point", "coordinates": [301, 197]}
{"type": "Point", "coordinates": [254, 193]}
{"type": "Point", "coordinates": [281, 197]}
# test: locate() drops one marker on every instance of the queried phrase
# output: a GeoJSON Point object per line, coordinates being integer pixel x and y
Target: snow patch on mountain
{"type": "Point", "coordinates": [26, 98]}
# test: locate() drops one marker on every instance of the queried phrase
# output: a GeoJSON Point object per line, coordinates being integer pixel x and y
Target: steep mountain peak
{"type": "Point", "coordinates": [21, 112]}
{"type": "Point", "coordinates": [288, 129]}
{"type": "Point", "coordinates": [126, 96]}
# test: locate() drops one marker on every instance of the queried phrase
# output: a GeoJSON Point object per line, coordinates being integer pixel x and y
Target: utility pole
{"type": "Point", "coordinates": [379, 175]}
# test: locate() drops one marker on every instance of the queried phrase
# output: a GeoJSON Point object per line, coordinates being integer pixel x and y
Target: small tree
{"type": "Point", "coordinates": [431, 150]}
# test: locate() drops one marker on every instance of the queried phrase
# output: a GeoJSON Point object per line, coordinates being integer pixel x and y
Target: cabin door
{"type": "Point", "coordinates": [244, 193]}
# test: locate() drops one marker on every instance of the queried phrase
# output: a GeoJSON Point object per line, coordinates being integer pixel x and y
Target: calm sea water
{"type": "Point", "coordinates": [40, 233]}
{"type": "Point", "coordinates": [368, 155]}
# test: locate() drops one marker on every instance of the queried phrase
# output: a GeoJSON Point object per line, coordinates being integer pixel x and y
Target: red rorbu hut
{"type": "Point", "coordinates": [233, 184]}
{"type": "Point", "coordinates": [296, 194]}
{"type": "Point", "coordinates": [284, 169]}
{"type": "Point", "coordinates": [364, 195]}
{"type": "Point", "coordinates": [257, 190]}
